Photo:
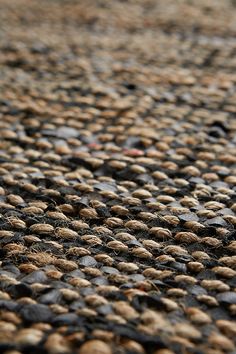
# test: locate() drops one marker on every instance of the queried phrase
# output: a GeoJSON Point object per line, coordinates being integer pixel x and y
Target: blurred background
{"type": "Point", "coordinates": [173, 51]}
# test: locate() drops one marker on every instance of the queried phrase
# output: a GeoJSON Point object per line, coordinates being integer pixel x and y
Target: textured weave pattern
{"type": "Point", "coordinates": [117, 177]}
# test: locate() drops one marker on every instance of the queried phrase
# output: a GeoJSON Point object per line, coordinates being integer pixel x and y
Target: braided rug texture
{"type": "Point", "coordinates": [117, 177]}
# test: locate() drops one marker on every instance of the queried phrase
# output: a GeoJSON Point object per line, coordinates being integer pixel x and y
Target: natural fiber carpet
{"type": "Point", "coordinates": [117, 177]}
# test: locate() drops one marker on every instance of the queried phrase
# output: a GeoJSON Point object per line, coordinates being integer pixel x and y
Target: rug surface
{"type": "Point", "coordinates": [117, 177]}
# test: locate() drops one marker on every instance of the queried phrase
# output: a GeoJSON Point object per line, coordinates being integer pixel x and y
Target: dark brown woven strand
{"type": "Point", "coordinates": [117, 177]}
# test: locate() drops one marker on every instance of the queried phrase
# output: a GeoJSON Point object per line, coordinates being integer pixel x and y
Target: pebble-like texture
{"type": "Point", "coordinates": [117, 177]}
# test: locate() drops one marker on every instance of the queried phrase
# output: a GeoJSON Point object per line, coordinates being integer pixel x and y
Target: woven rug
{"type": "Point", "coordinates": [117, 177]}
